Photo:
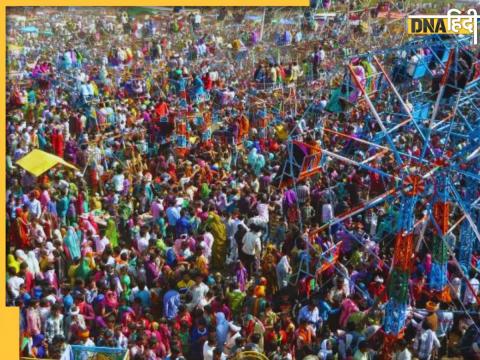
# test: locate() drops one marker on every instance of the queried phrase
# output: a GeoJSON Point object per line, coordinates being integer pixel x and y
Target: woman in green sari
{"type": "Point", "coordinates": [126, 282]}
{"type": "Point", "coordinates": [219, 249]}
{"type": "Point", "coordinates": [205, 191]}
{"type": "Point", "coordinates": [111, 233]}
{"type": "Point", "coordinates": [162, 226]}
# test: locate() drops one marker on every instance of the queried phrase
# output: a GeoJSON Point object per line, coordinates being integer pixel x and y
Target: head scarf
{"type": "Point", "coordinates": [72, 243]}
{"type": "Point", "coordinates": [252, 157]}
{"type": "Point", "coordinates": [12, 263]}
{"type": "Point", "coordinates": [111, 299]}
{"type": "Point", "coordinates": [259, 164]}
{"type": "Point", "coordinates": [260, 291]}
{"type": "Point", "coordinates": [83, 271]}
{"type": "Point", "coordinates": [33, 263]}
{"type": "Point", "coordinates": [51, 277]}
{"type": "Point", "coordinates": [37, 342]}
{"type": "Point", "coordinates": [49, 247]}
{"type": "Point", "coordinates": [57, 234]}
{"type": "Point", "coordinates": [22, 257]}
{"type": "Point", "coordinates": [283, 265]}
{"type": "Point", "coordinates": [324, 352]}
{"type": "Point", "coordinates": [222, 329]}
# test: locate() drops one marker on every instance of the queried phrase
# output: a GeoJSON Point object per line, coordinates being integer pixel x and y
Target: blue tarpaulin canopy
{"type": "Point", "coordinates": [284, 21]}
{"type": "Point", "coordinates": [253, 17]}
{"type": "Point", "coordinates": [79, 352]}
{"type": "Point", "coordinates": [29, 29]}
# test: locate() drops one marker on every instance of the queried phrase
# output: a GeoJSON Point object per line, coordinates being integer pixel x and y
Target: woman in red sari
{"type": "Point", "coordinates": [58, 142]}
{"type": "Point", "coordinates": [19, 232]}
{"type": "Point", "coordinates": [244, 128]}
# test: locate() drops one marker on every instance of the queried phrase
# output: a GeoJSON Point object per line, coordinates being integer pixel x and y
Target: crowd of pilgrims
{"type": "Point", "coordinates": [192, 250]}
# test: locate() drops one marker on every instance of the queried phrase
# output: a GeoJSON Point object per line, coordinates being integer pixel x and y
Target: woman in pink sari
{"type": "Point", "coordinates": [359, 72]}
{"type": "Point", "coordinates": [347, 308]}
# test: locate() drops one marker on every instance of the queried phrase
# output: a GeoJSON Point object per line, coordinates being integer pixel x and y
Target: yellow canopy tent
{"type": "Point", "coordinates": [36, 162]}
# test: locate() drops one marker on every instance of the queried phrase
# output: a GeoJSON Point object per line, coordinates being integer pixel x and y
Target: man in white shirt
{"type": "Point", "coordinates": [414, 60]}
{"type": "Point", "coordinates": [118, 181]}
{"type": "Point", "coordinates": [143, 240]}
{"type": "Point", "coordinates": [34, 207]}
{"type": "Point", "coordinates": [251, 242]}
{"type": "Point", "coordinates": [197, 20]}
{"type": "Point", "coordinates": [38, 233]}
{"type": "Point", "coordinates": [273, 74]}
{"type": "Point", "coordinates": [54, 326]}
{"type": "Point", "coordinates": [232, 227]}
{"type": "Point", "coordinates": [470, 298]}
{"type": "Point", "coordinates": [445, 320]}
{"type": "Point", "coordinates": [100, 243]}
{"type": "Point", "coordinates": [122, 340]}
{"type": "Point", "coordinates": [251, 248]}
{"type": "Point", "coordinates": [318, 58]}
{"type": "Point", "coordinates": [445, 325]}
{"type": "Point", "coordinates": [455, 287]}
{"type": "Point", "coordinates": [403, 353]}
{"type": "Point", "coordinates": [198, 292]}
{"type": "Point", "coordinates": [426, 342]}
{"type": "Point", "coordinates": [327, 212]}
{"type": "Point", "coordinates": [209, 347]}
{"type": "Point", "coordinates": [14, 283]}
{"type": "Point", "coordinates": [233, 335]}
{"type": "Point", "coordinates": [296, 72]}
{"type": "Point", "coordinates": [263, 217]}
{"type": "Point", "coordinates": [207, 243]}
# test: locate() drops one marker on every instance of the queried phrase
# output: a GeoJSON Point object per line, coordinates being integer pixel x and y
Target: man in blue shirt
{"type": "Point", "coordinates": [198, 337]}
{"type": "Point", "coordinates": [67, 298]}
{"type": "Point", "coordinates": [183, 225]}
{"type": "Point", "coordinates": [173, 214]}
{"type": "Point", "coordinates": [171, 302]}
{"type": "Point", "coordinates": [144, 295]}
{"type": "Point", "coordinates": [311, 314]}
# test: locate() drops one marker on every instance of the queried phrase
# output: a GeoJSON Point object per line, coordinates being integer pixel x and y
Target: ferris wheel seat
{"type": "Point", "coordinates": [420, 111]}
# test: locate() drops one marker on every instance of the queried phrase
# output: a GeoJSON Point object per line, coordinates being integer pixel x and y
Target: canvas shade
{"type": "Point", "coordinates": [37, 162]}
{"type": "Point", "coordinates": [139, 10]}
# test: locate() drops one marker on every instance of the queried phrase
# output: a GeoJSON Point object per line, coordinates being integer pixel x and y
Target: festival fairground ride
{"type": "Point", "coordinates": [411, 120]}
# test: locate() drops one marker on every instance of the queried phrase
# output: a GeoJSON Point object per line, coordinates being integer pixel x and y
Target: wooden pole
{"type": "Point", "coordinates": [263, 23]}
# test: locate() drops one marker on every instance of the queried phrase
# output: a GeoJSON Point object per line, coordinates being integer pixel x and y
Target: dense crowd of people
{"type": "Point", "coordinates": [177, 236]}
